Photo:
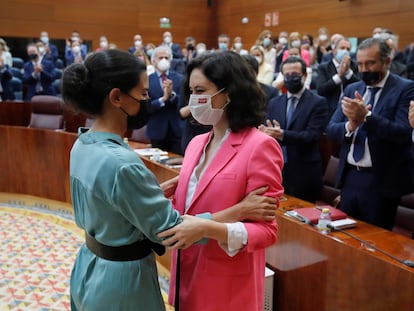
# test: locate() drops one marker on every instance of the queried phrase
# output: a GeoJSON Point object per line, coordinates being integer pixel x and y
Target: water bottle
{"type": "Point", "coordinates": [324, 221]}
{"type": "Point", "coordinates": [156, 155]}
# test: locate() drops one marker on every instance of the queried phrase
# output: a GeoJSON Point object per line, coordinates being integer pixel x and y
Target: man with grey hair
{"type": "Point", "coordinates": [372, 127]}
{"type": "Point", "coordinates": [164, 127]}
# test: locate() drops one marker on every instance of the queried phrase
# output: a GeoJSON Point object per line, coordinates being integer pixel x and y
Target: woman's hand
{"type": "Point", "coordinates": [191, 230]}
{"type": "Point", "coordinates": [169, 186]}
{"type": "Point", "coordinates": [258, 207]}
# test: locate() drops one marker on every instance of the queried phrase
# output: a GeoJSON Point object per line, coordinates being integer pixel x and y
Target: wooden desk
{"type": "Point", "coordinates": [318, 272]}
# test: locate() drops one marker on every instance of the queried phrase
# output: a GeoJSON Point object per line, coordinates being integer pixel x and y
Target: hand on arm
{"type": "Point", "coordinates": [255, 206]}
{"type": "Point", "coordinates": [169, 186]}
{"type": "Point", "coordinates": [191, 230]}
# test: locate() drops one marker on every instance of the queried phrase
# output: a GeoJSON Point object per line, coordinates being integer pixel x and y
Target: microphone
{"type": "Point", "coordinates": [406, 262]}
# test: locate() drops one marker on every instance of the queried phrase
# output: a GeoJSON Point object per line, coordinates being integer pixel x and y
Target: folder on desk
{"type": "Point", "coordinates": [311, 214]}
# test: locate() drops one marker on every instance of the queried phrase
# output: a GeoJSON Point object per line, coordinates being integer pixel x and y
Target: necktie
{"type": "Point", "coordinates": [290, 110]}
{"type": "Point", "coordinates": [163, 77]}
{"type": "Point", "coordinates": [359, 143]}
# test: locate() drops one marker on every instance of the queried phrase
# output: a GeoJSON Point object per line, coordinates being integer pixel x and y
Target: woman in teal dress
{"type": "Point", "coordinates": [116, 199]}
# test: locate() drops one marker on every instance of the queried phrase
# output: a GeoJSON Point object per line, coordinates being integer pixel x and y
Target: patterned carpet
{"type": "Point", "coordinates": [38, 247]}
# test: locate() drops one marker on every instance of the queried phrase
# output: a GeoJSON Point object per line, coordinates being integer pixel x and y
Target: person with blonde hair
{"type": "Point", "coordinates": [266, 71]}
{"type": "Point", "coordinates": [265, 40]}
{"type": "Point", "coordinates": [5, 54]}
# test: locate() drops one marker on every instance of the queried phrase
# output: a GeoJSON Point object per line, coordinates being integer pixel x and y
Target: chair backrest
{"type": "Point", "coordinates": [47, 112]}
{"type": "Point", "coordinates": [16, 86]}
{"type": "Point", "coordinates": [18, 62]}
{"type": "Point", "coordinates": [330, 194]}
{"type": "Point", "coordinates": [404, 218]}
{"type": "Point", "coordinates": [140, 135]}
{"type": "Point", "coordinates": [16, 72]}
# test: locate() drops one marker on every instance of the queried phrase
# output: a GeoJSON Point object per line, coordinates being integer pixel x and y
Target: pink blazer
{"type": "Point", "coordinates": [210, 279]}
{"type": "Point", "coordinates": [305, 55]}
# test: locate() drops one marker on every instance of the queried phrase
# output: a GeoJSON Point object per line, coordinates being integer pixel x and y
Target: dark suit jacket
{"type": "Point", "coordinates": [326, 86]}
{"type": "Point", "coordinates": [164, 118]}
{"type": "Point", "coordinates": [301, 140]}
{"type": "Point", "coordinates": [5, 77]}
{"type": "Point", "coordinates": [388, 132]}
{"type": "Point", "coordinates": [47, 76]}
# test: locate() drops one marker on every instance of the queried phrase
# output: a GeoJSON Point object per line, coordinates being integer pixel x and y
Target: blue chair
{"type": "Point", "coordinates": [56, 85]}
{"type": "Point", "coordinates": [59, 63]}
{"type": "Point", "coordinates": [16, 87]}
{"type": "Point", "coordinates": [16, 72]}
{"type": "Point", "coordinates": [18, 62]}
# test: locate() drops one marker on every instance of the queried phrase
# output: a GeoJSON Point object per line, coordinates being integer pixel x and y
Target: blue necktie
{"type": "Point", "coordinates": [359, 143]}
{"type": "Point", "coordinates": [290, 109]}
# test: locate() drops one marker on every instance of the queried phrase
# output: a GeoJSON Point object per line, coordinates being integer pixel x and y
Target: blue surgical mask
{"type": "Point", "coordinates": [223, 46]}
{"type": "Point", "coordinates": [266, 42]}
{"type": "Point", "coordinates": [340, 54]}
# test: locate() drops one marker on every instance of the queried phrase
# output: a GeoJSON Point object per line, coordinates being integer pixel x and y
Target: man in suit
{"type": "Point", "coordinates": [38, 74]}
{"type": "Point", "coordinates": [372, 126]}
{"type": "Point", "coordinates": [175, 47]}
{"type": "Point", "coordinates": [138, 45]}
{"type": "Point", "coordinates": [335, 75]}
{"type": "Point", "coordinates": [297, 120]}
{"type": "Point", "coordinates": [164, 127]}
{"type": "Point", "coordinates": [51, 51]}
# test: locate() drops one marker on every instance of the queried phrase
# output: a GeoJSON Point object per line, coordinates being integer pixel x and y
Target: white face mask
{"type": "Point", "coordinates": [138, 43]}
{"type": "Point", "coordinates": [259, 59]}
{"type": "Point", "coordinates": [283, 40]}
{"type": "Point", "coordinates": [238, 45]}
{"type": "Point", "coordinates": [167, 40]}
{"type": "Point", "coordinates": [163, 65]}
{"type": "Point", "coordinates": [296, 43]}
{"type": "Point", "coordinates": [76, 49]}
{"type": "Point", "coordinates": [202, 111]}
{"type": "Point", "coordinates": [103, 44]}
{"type": "Point", "coordinates": [44, 39]}
{"type": "Point", "coordinates": [41, 50]}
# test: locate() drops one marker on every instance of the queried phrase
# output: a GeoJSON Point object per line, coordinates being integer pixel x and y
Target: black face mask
{"type": "Point", "coordinates": [293, 84]}
{"type": "Point", "coordinates": [142, 117]}
{"type": "Point", "coordinates": [33, 56]}
{"type": "Point", "coordinates": [371, 77]}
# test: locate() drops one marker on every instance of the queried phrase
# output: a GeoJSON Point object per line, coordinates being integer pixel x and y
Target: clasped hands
{"type": "Point", "coordinates": [272, 129]}
{"type": "Point", "coordinates": [355, 110]}
{"type": "Point", "coordinates": [167, 87]}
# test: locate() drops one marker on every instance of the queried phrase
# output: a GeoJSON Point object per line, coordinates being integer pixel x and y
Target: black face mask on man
{"type": "Point", "coordinates": [293, 83]}
{"type": "Point", "coordinates": [141, 118]}
{"type": "Point", "coordinates": [371, 77]}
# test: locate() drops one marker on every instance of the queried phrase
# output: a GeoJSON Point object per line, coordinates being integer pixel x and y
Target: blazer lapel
{"type": "Point", "coordinates": [222, 157]}
{"type": "Point", "coordinates": [387, 92]}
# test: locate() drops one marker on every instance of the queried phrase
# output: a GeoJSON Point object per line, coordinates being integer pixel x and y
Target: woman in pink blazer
{"type": "Point", "coordinates": [226, 270]}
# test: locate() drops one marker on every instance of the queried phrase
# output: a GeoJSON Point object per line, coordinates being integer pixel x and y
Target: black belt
{"type": "Point", "coordinates": [360, 168]}
{"type": "Point", "coordinates": [134, 251]}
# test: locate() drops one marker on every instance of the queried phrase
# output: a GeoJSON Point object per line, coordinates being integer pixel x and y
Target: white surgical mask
{"type": "Point", "coordinates": [238, 45]}
{"type": "Point", "coordinates": [283, 41]}
{"type": "Point", "coordinates": [259, 59]}
{"type": "Point", "coordinates": [138, 43]}
{"type": "Point", "coordinates": [323, 37]}
{"type": "Point", "coordinates": [167, 39]}
{"type": "Point", "coordinates": [163, 65]}
{"type": "Point", "coordinates": [76, 49]}
{"type": "Point", "coordinates": [296, 43]}
{"type": "Point", "coordinates": [41, 50]}
{"type": "Point", "coordinates": [266, 42]}
{"type": "Point", "coordinates": [103, 44]}
{"type": "Point", "coordinates": [202, 111]}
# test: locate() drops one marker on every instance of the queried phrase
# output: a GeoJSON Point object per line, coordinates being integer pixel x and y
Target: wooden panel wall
{"type": "Point", "coordinates": [353, 18]}
{"type": "Point", "coordinates": [120, 20]}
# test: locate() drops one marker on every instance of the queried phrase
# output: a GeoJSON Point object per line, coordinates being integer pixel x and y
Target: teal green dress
{"type": "Point", "coordinates": [118, 201]}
